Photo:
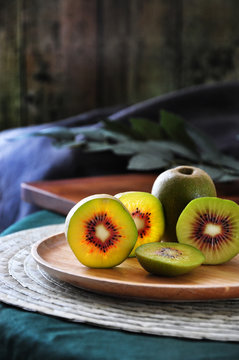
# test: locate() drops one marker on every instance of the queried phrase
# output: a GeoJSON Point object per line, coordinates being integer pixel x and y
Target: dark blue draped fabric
{"type": "Point", "coordinates": [27, 159]}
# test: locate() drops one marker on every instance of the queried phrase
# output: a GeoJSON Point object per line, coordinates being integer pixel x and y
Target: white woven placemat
{"type": "Point", "coordinates": [23, 284]}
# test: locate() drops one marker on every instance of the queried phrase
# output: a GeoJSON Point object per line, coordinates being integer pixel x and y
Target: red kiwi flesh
{"type": "Point", "coordinates": [100, 231]}
{"type": "Point", "coordinates": [147, 212]}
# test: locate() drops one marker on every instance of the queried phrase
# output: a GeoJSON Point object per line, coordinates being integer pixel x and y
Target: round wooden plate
{"type": "Point", "coordinates": [131, 281]}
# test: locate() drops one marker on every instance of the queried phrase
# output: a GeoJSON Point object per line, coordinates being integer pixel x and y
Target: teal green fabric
{"type": "Point", "coordinates": [42, 218]}
{"type": "Point", "coordinates": [31, 336]}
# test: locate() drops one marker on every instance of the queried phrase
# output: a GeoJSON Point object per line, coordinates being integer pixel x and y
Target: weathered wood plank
{"type": "Point", "coordinates": [79, 52]}
{"type": "Point", "coordinates": [210, 41]}
{"type": "Point", "coordinates": [60, 58]}
{"type": "Point", "coordinates": [155, 48]}
{"type": "Point", "coordinates": [113, 50]}
{"type": "Point", "coordinates": [44, 100]}
{"type": "Point", "coordinates": [9, 64]}
{"type": "Point", "coordinates": [63, 57]}
{"type": "Point", "coordinates": [141, 54]}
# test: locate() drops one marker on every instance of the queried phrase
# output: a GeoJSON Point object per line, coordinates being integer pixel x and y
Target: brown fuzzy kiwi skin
{"type": "Point", "coordinates": [175, 188]}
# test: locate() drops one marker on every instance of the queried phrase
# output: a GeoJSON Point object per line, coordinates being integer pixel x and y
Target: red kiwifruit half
{"type": "Point", "coordinates": [211, 225]}
{"type": "Point", "coordinates": [100, 231]}
{"type": "Point", "coordinates": [148, 215]}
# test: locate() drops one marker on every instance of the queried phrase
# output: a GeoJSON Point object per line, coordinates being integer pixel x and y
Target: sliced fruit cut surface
{"type": "Point", "coordinates": [211, 225]}
{"type": "Point", "coordinates": [100, 231]}
{"type": "Point", "coordinates": [147, 212]}
{"type": "Point", "coordinates": [168, 258]}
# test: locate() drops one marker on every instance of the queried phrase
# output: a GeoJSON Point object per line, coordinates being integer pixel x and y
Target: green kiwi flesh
{"type": "Point", "coordinates": [211, 225]}
{"type": "Point", "coordinates": [168, 258]}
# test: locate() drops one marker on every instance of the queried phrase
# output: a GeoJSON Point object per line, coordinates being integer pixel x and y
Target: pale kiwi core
{"type": "Point", "coordinates": [102, 233]}
{"type": "Point", "coordinates": [140, 223]}
{"type": "Point", "coordinates": [212, 229]}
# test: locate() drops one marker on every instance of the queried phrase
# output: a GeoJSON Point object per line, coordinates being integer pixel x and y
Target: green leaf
{"type": "Point", "coordinates": [143, 147]}
{"type": "Point", "coordinates": [99, 134]}
{"type": "Point", "coordinates": [175, 128]}
{"type": "Point", "coordinates": [94, 146]}
{"type": "Point", "coordinates": [146, 129]}
{"type": "Point", "coordinates": [112, 135]}
{"type": "Point", "coordinates": [209, 151]}
{"type": "Point", "coordinates": [69, 144]}
{"type": "Point", "coordinates": [127, 148]}
{"type": "Point", "coordinates": [120, 127]}
{"type": "Point", "coordinates": [146, 162]}
{"type": "Point", "coordinates": [228, 177]}
{"type": "Point", "coordinates": [87, 128]}
{"type": "Point", "coordinates": [56, 132]}
{"type": "Point", "coordinates": [215, 172]}
{"type": "Point", "coordinates": [150, 145]}
{"type": "Point", "coordinates": [230, 162]}
{"type": "Point", "coordinates": [90, 132]}
{"type": "Point", "coordinates": [95, 135]}
{"type": "Point", "coordinates": [177, 149]}
{"type": "Point", "coordinates": [219, 174]}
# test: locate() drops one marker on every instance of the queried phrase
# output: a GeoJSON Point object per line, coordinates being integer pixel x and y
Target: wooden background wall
{"type": "Point", "coordinates": [62, 57]}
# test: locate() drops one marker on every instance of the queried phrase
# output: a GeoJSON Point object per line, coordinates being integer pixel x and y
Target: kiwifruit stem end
{"type": "Point", "coordinates": [186, 170]}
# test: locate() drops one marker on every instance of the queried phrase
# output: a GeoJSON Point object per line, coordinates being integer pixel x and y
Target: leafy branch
{"type": "Point", "coordinates": [150, 145]}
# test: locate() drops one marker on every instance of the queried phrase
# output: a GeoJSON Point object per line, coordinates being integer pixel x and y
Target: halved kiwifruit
{"type": "Point", "coordinates": [168, 258]}
{"type": "Point", "coordinates": [211, 225]}
{"type": "Point", "coordinates": [148, 215]}
{"type": "Point", "coordinates": [100, 231]}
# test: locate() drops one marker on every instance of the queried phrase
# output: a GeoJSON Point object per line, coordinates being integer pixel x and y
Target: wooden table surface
{"type": "Point", "coordinates": [61, 195]}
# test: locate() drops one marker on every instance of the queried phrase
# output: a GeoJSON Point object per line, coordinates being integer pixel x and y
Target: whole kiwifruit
{"type": "Point", "coordinates": [169, 258]}
{"type": "Point", "coordinates": [175, 188]}
{"type": "Point", "coordinates": [100, 231]}
{"type": "Point", "coordinates": [147, 212]}
{"type": "Point", "coordinates": [212, 226]}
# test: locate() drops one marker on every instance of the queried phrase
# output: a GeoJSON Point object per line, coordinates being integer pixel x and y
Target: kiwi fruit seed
{"type": "Point", "coordinates": [175, 188]}
{"type": "Point", "coordinates": [211, 225]}
{"type": "Point", "coordinates": [100, 231]}
{"type": "Point", "coordinates": [168, 258]}
{"type": "Point", "coordinates": [147, 212]}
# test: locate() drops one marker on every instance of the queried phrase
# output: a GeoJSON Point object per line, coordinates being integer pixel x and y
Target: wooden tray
{"type": "Point", "coordinates": [61, 195]}
{"type": "Point", "coordinates": [131, 281]}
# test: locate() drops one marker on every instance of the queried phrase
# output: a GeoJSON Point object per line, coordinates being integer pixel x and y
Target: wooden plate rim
{"type": "Point", "coordinates": [174, 290]}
